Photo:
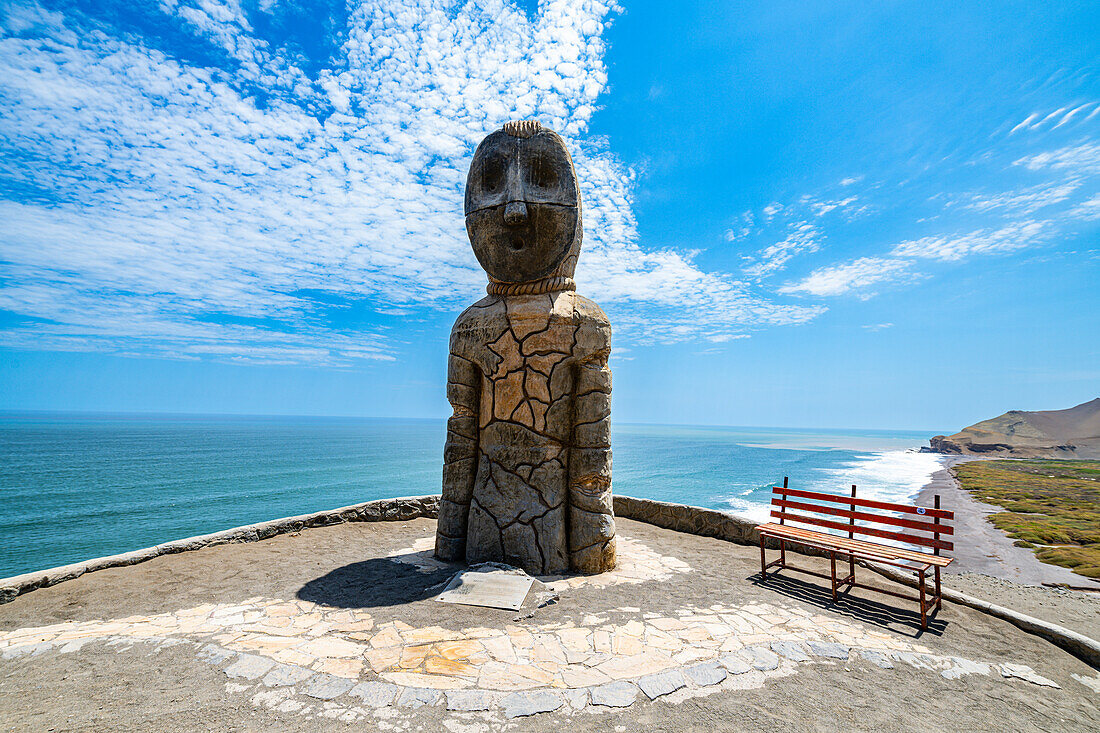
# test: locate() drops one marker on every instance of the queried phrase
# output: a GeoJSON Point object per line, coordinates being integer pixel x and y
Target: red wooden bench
{"type": "Point", "coordinates": [918, 526]}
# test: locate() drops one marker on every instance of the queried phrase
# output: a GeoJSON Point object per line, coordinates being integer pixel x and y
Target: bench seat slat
{"type": "Point", "coordinates": [858, 546]}
{"type": "Point", "coordinates": [869, 503]}
{"type": "Point", "coordinates": [829, 541]}
{"type": "Point", "coordinates": [873, 555]}
{"type": "Point", "coordinates": [866, 516]}
{"type": "Point", "coordinates": [870, 531]}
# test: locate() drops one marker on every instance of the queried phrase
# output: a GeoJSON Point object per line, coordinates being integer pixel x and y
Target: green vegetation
{"type": "Point", "coordinates": [1053, 506]}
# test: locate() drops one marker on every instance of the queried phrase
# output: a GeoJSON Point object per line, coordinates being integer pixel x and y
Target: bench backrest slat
{"type": "Point", "coordinates": [929, 527]}
{"type": "Point", "coordinates": [869, 503]}
{"type": "Point", "coordinates": [870, 531]}
{"type": "Point", "coordinates": [787, 507]}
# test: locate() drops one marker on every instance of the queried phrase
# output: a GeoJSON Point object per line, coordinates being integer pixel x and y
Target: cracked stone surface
{"type": "Point", "coordinates": [761, 658]}
{"type": "Point", "coordinates": [414, 697]}
{"type": "Point", "coordinates": [662, 683]}
{"type": "Point", "coordinates": [375, 694]}
{"type": "Point", "coordinates": [1025, 672]}
{"type": "Point", "coordinates": [877, 658]}
{"type": "Point", "coordinates": [1093, 683]}
{"type": "Point", "coordinates": [468, 700]}
{"type": "Point", "coordinates": [790, 650]}
{"type": "Point", "coordinates": [829, 649]}
{"type": "Point", "coordinates": [704, 675]}
{"type": "Point", "coordinates": [326, 686]}
{"type": "Point", "coordinates": [286, 674]}
{"type": "Point", "coordinates": [527, 462]}
{"type": "Point", "coordinates": [734, 665]}
{"type": "Point", "coordinates": [614, 694]}
{"type": "Point", "coordinates": [249, 667]}
{"type": "Point", "coordinates": [963, 667]}
{"type": "Point", "coordinates": [522, 704]}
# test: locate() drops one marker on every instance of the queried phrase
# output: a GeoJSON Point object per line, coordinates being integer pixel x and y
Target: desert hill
{"type": "Point", "coordinates": [1072, 433]}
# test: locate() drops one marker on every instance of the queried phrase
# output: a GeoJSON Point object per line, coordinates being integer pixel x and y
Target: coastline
{"type": "Point", "coordinates": [981, 548]}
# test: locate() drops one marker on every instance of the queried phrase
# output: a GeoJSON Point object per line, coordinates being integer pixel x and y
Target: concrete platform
{"type": "Point", "coordinates": [335, 628]}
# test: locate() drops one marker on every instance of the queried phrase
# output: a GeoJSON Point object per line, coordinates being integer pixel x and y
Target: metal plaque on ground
{"type": "Point", "coordinates": [494, 589]}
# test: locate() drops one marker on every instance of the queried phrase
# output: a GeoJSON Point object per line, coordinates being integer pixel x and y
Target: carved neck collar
{"type": "Point", "coordinates": [535, 287]}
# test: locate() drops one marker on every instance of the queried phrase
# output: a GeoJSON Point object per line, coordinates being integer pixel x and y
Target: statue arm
{"type": "Point", "coordinates": [459, 457]}
{"type": "Point", "coordinates": [591, 514]}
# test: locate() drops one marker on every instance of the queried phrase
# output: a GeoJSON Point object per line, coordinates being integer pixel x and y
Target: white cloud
{"type": "Point", "coordinates": [878, 326]}
{"type": "Point", "coordinates": [824, 207]}
{"type": "Point", "coordinates": [172, 207]}
{"type": "Point", "coordinates": [967, 225]}
{"type": "Point", "coordinates": [802, 238]}
{"type": "Point", "coordinates": [1050, 116]}
{"type": "Point", "coordinates": [1083, 158]}
{"type": "Point", "coordinates": [1089, 210]}
{"type": "Point", "coordinates": [742, 228]}
{"type": "Point", "coordinates": [1071, 114]}
{"type": "Point", "coordinates": [1059, 117]}
{"type": "Point", "coordinates": [1025, 201]}
{"type": "Point", "coordinates": [857, 275]}
{"type": "Point", "coordinates": [952, 248]}
{"type": "Point", "coordinates": [1026, 123]}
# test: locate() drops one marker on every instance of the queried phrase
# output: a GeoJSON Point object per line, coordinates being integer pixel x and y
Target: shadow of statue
{"type": "Point", "coordinates": [862, 609]}
{"type": "Point", "coordinates": [376, 583]}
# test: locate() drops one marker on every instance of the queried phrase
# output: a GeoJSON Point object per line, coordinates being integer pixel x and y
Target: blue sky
{"type": "Point", "coordinates": [801, 214]}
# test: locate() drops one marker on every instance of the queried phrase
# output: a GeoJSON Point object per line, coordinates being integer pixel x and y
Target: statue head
{"type": "Point", "coordinates": [523, 209]}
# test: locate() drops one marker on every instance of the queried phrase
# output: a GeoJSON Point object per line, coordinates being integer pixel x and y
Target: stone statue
{"type": "Point", "coordinates": [527, 465]}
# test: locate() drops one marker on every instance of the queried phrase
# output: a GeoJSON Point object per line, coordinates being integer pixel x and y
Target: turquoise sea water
{"type": "Point", "coordinates": [76, 487]}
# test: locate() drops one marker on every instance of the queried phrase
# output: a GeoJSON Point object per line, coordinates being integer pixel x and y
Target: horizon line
{"type": "Point", "coordinates": [8, 412]}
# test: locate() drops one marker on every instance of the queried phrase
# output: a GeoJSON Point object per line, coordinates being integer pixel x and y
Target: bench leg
{"type": "Point", "coordinates": [939, 594]}
{"type": "Point", "coordinates": [832, 563]}
{"type": "Point", "coordinates": [923, 612]}
{"type": "Point", "coordinates": [763, 564]}
{"type": "Point", "coordinates": [782, 554]}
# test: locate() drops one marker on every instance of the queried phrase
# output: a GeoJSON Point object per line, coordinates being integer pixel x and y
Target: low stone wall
{"type": "Point", "coordinates": [689, 519]}
{"type": "Point", "coordinates": [382, 510]}
{"type": "Point", "coordinates": [703, 522]}
{"type": "Point", "coordinates": [678, 517]}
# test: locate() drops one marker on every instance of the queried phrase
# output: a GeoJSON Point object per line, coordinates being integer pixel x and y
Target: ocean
{"type": "Point", "coordinates": [73, 487]}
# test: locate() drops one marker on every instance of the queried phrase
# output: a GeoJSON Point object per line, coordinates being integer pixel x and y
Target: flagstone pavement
{"type": "Point", "coordinates": [311, 657]}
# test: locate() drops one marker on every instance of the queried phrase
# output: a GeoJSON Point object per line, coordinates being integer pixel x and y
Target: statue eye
{"type": "Point", "coordinates": [492, 175]}
{"type": "Point", "coordinates": [544, 174]}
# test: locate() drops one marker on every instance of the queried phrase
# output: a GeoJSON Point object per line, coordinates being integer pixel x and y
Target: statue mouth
{"type": "Point", "coordinates": [525, 251]}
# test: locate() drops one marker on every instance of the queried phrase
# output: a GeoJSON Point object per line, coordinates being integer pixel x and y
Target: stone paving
{"type": "Point", "coordinates": [297, 657]}
{"type": "Point", "coordinates": [636, 564]}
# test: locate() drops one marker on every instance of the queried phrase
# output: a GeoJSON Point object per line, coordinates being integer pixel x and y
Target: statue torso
{"type": "Point", "coordinates": [526, 348]}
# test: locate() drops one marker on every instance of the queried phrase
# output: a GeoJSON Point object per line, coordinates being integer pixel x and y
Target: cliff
{"type": "Point", "coordinates": [1072, 433]}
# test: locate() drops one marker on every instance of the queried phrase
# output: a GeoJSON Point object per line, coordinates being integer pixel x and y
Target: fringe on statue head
{"type": "Point", "coordinates": [522, 128]}
{"type": "Point", "coordinates": [562, 276]}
